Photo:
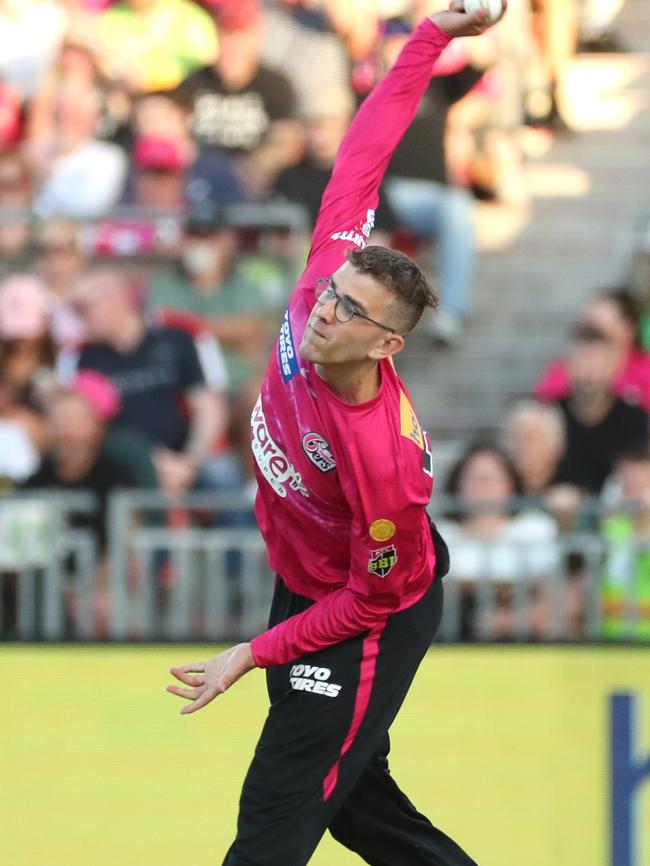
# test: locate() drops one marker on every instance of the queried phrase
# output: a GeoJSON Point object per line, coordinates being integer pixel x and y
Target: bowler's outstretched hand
{"type": "Point", "coordinates": [457, 22]}
{"type": "Point", "coordinates": [209, 679]}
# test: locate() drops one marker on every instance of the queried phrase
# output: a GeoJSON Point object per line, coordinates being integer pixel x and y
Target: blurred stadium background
{"type": "Point", "coordinates": [160, 166]}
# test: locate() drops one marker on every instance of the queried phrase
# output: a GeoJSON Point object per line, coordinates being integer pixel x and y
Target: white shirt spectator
{"type": "Point", "coordinates": [31, 32]}
{"type": "Point", "coordinates": [84, 183]}
{"type": "Point", "coordinates": [526, 548]}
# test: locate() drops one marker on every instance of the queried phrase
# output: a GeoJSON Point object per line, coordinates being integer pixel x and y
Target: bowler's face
{"type": "Point", "coordinates": [329, 341]}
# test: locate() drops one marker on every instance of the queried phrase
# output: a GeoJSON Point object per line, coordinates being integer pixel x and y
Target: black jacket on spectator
{"type": "Point", "coordinates": [152, 380]}
{"type": "Point", "coordinates": [421, 153]}
{"type": "Point", "coordinates": [123, 461]}
{"type": "Point", "coordinates": [592, 451]}
{"type": "Point", "coordinates": [305, 183]}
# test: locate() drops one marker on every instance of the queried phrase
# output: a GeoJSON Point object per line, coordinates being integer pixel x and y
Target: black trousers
{"type": "Point", "coordinates": [321, 761]}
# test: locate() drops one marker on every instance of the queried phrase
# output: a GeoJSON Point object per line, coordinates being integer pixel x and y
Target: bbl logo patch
{"type": "Point", "coordinates": [318, 451]}
{"type": "Point", "coordinates": [382, 561]}
{"type": "Point", "coordinates": [382, 530]}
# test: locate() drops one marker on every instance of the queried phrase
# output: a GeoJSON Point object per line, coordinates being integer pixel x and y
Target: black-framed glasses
{"type": "Point", "coordinates": [345, 309]}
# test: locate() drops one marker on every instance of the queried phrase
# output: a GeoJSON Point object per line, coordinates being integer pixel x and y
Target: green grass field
{"type": "Point", "coordinates": [504, 749]}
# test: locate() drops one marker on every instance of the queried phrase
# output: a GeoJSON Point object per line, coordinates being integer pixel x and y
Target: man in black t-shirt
{"type": "Point", "coordinates": [419, 191]}
{"type": "Point", "coordinates": [157, 373]}
{"type": "Point", "coordinates": [240, 106]}
{"type": "Point", "coordinates": [599, 425]}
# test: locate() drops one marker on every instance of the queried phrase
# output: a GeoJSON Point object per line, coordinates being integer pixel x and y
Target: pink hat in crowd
{"type": "Point", "coordinates": [155, 153]}
{"type": "Point", "coordinates": [236, 14]}
{"type": "Point", "coordinates": [23, 307]}
{"type": "Point", "coordinates": [100, 393]}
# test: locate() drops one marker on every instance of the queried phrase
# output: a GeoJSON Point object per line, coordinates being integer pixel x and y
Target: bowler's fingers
{"type": "Point", "coordinates": [187, 678]}
{"type": "Point", "coordinates": [190, 694]}
{"type": "Point", "coordinates": [204, 698]}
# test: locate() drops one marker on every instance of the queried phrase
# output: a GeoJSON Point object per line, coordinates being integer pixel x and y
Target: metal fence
{"type": "Point", "coordinates": [198, 571]}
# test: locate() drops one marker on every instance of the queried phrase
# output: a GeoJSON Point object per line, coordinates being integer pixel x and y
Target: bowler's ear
{"type": "Point", "coordinates": [391, 344]}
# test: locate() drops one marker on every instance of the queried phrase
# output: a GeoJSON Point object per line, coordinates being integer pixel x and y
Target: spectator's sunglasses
{"type": "Point", "coordinates": [345, 308]}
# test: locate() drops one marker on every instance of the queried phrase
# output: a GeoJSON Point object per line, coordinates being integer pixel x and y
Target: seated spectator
{"type": "Point", "coordinates": [210, 284]}
{"type": "Point", "coordinates": [163, 143]}
{"type": "Point", "coordinates": [155, 44]}
{"type": "Point", "coordinates": [157, 373]}
{"type": "Point", "coordinates": [423, 196]}
{"type": "Point", "coordinates": [82, 455]}
{"type": "Point", "coordinates": [616, 314]}
{"type": "Point", "coordinates": [213, 284]}
{"type": "Point", "coordinates": [60, 260]}
{"type": "Point", "coordinates": [534, 438]}
{"type": "Point", "coordinates": [79, 175]}
{"type": "Point", "coordinates": [301, 44]}
{"type": "Point", "coordinates": [326, 122]}
{"type": "Point", "coordinates": [489, 542]}
{"type": "Point", "coordinates": [600, 425]}
{"type": "Point", "coordinates": [30, 35]}
{"type": "Point", "coordinates": [27, 355]}
{"type": "Point", "coordinates": [10, 115]}
{"type": "Point", "coordinates": [241, 107]}
{"type": "Point", "coordinates": [625, 586]}
{"type": "Point", "coordinates": [16, 194]}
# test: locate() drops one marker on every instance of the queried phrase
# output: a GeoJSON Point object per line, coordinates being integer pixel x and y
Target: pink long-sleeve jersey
{"type": "Point", "coordinates": [343, 488]}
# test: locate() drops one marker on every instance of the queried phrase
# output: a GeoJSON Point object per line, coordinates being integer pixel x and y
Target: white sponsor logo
{"type": "Point", "coordinates": [360, 233]}
{"type": "Point", "coordinates": [272, 461]}
{"type": "Point", "coordinates": [309, 678]}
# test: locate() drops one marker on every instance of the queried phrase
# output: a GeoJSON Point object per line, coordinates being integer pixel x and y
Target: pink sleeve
{"type": "Point", "coordinates": [346, 215]}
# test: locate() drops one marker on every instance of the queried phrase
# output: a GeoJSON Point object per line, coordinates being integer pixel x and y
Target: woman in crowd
{"type": "Point", "coordinates": [496, 553]}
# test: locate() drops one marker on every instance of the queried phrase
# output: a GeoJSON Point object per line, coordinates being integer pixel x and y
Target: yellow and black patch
{"type": "Point", "coordinates": [410, 426]}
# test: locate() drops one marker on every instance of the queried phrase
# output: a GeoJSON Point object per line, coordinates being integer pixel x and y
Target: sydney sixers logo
{"type": "Point", "coordinates": [318, 451]}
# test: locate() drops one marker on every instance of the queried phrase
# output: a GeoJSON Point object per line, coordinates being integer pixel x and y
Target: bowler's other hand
{"type": "Point", "coordinates": [457, 22]}
{"type": "Point", "coordinates": [211, 678]}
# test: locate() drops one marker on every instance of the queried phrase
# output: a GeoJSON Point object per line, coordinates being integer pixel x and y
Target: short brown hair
{"type": "Point", "coordinates": [401, 277]}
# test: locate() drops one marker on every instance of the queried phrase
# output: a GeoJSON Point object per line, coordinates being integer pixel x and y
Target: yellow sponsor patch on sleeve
{"type": "Point", "coordinates": [382, 530]}
{"type": "Point", "coordinates": [410, 426]}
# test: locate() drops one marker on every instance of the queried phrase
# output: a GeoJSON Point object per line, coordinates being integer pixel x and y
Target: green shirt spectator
{"type": "Point", "coordinates": [155, 44]}
{"type": "Point", "coordinates": [237, 297]}
{"type": "Point", "coordinates": [625, 585]}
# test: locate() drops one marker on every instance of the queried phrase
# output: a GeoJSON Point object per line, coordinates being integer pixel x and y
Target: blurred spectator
{"type": "Point", "coordinates": [299, 42]}
{"type": "Point", "coordinates": [60, 260]}
{"type": "Point", "coordinates": [82, 452]}
{"type": "Point", "coordinates": [555, 27]}
{"type": "Point", "coordinates": [599, 424]}
{"type": "Point", "coordinates": [10, 115]}
{"type": "Point", "coordinates": [16, 193]}
{"type": "Point", "coordinates": [616, 314]}
{"type": "Point", "coordinates": [165, 155]}
{"type": "Point", "coordinates": [210, 283]}
{"type": "Point", "coordinates": [77, 65]}
{"type": "Point", "coordinates": [80, 176]}
{"type": "Point", "coordinates": [155, 44]}
{"type": "Point", "coordinates": [534, 438]}
{"type": "Point", "coordinates": [30, 35]}
{"type": "Point", "coordinates": [157, 373]}
{"type": "Point", "coordinates": [240, 106]}
{"type": "Point", "coordinates": [488, 542]}
{"type": "Point", "coordinates": [326, 122]}
{"type": "Point", "coordinates": [595, 26]}
{"type": "Point", "coordinates": [27, 355]}
{"type": "Point", "coordinates": [82, 455]}
{"type": "Point", "coordinates": [625, 584]}
{"type": "Point", "coordinates": [419, 191]}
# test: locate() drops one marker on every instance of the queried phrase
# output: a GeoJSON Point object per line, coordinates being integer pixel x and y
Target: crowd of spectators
{"type": "Point", "coordinates": [135, 318]}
